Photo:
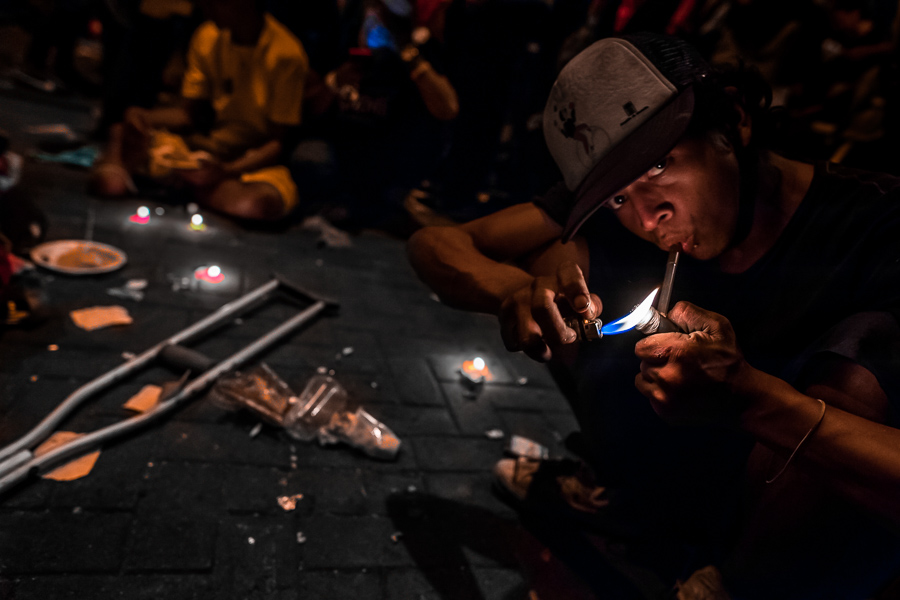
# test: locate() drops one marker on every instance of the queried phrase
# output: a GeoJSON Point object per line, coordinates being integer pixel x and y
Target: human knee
{"type": "Point", "coordinates": [257, 202]}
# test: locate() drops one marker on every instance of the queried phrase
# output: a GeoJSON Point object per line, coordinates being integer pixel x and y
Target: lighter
{"type": "Point", "coordinates": [644, 317]}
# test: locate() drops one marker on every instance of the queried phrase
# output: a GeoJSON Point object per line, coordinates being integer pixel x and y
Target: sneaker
{"type": "Point", "coordinates": [543, 485]}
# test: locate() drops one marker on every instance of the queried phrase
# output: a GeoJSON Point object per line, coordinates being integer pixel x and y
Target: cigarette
{"type": "Point", "coordinates": [665, 291]}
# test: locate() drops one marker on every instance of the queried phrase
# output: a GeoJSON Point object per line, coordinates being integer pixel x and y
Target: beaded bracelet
{"type": "Point", "coordinates": [805, 437]}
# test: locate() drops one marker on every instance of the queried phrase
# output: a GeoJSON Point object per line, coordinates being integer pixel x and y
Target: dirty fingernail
{"type": "Point", "coordinates": [582, 303]}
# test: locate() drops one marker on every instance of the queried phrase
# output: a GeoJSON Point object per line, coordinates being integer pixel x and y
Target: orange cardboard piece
{"type": "Point", "coordinates": [96, 317]}
{"type": "Point", "coordinates": [145, 399]}
{"type": "Point", "coordinates": [75, 469]}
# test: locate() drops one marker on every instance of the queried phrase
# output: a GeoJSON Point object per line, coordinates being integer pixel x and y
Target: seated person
{"type": "Point", "coordinates": [754, 453]}
{"type": "Point", "coordinates": [381, 122]}
{"type": "Point", "coordinates": [245, 73]}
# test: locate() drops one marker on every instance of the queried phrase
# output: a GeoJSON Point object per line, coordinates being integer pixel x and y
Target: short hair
{"type": "Point", "coordinates": [717, 99]}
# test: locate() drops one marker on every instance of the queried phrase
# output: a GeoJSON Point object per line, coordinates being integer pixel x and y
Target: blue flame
{"type": "Point", "coordinates": [628, 322]}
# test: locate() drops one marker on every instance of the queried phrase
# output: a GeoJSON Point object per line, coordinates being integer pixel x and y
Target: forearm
{"type": "Point", "coordinates": [448, 261]}
{"type": "Point", "coordinates": [255, 159]}
{"type": "Point", "coordinates": [436, 90]}
{"type": "Point", "coordinates": [857, 457]}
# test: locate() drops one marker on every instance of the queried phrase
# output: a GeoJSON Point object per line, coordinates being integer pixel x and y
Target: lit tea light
{"type": "Point", "coordinates": [142, 215]}
{"type": "Point", "coordinates": [476, 370]}
{"type": "Point", "coordinates": [210, 274]}
{"type": "Point", "coordinates": [197, 223]}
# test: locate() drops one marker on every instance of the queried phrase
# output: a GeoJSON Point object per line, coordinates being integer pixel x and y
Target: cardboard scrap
{"type": "Point", "coordinates": [145, 399]}
{"type": "Point", "coordinates": [75, 469]}
{"type": "Point", "coordinates": [289, 502]}
{"type": "Point", "coordinates": [97, 317]}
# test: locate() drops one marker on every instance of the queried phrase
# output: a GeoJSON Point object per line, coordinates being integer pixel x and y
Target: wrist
{"type": "Point", "coordinates": [775, 413]}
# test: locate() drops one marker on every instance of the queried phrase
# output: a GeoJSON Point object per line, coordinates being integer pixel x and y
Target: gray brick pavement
{"type": "Point", "coordinates": [187, 508]}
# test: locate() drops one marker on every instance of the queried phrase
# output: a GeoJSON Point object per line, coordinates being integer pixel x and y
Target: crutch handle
{"type": "Point", "coordinates": [181, 358]}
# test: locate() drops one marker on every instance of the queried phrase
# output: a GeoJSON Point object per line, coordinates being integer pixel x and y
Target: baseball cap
{"type": "Point", "coordinates": [615, 109]}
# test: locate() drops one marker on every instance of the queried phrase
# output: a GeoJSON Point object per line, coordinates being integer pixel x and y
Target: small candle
{"type": "Point", "coordinates": [210, 274]}
{"type": "Point", "coordinates": [197, 223]}
{"type": "Point", "coordinates": [475, 370]}
{"type": "Point", "coordinates": [142, 215]}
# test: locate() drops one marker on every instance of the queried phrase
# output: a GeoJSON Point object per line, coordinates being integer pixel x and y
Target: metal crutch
{"type": "Point", "coordinates": [17, 460]}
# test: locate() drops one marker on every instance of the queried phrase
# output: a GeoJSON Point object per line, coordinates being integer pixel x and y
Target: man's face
{"type": "Point", "coordinates": [690, 198]}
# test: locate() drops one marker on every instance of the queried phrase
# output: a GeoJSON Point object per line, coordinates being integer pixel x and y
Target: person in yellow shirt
{"type": "Point", "coordinates": [242, 92]}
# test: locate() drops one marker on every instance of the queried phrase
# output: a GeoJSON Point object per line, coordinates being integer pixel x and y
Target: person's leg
{"type": "Point", "coordinates": [255, 201]}
{"type": "Point", "coordinates": [265, 195]}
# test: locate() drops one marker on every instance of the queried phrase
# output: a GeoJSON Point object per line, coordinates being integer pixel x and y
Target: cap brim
{"type": "Point", "coordinates": [631, 158]}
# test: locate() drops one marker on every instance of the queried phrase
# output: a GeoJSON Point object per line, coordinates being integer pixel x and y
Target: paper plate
{"type": "Point", "coordinates": [78, 257]}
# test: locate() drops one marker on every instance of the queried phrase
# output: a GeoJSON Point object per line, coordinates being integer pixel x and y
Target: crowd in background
{"type": "Point", "coordinates": [832, 65]}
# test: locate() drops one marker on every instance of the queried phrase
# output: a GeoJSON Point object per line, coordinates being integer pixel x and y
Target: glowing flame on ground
{"type": "Point", "coordinates": [475, 369]}
{"type": "Point", "coordinates": [628, 322]}
{"type": "Point", "coordinates": [197, 223]}
{"type": "Point", "coordinates": [211, 274]}
{"type": "Point", "coordinates": [142, 215]}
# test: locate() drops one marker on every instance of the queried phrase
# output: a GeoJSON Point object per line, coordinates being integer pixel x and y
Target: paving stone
{"type": "Point", "coordinates": [457, 454]}
{"type": "Point", "coordinates": [563, 423]}
{"type": "Point", "coordinates": [348, 541]}
{"type": "Point", "coordinates": [341, 585]}
{"type": "Point", "coordinates": [200, 442]}
{"type": "Point", "coordinates": [343, 456]}
{"type": "Point", "coordinates": [501, 583]}
{"type": "Point", "coordinates": [133, 587]}
{"type": "Point", "coordinates": [169, 541]}
{"type": "Point", "coordinates": [115, 483]}
{"type": "Point", "coordinates": [525, 398]}
{"type": "Point", "coordinates": [34, 400]}
{"type": "Point", "coordinates": [535, 374]}
{"type": "Point", "coordinates": [73, 362]}
{"type": "Point", "coordinates": [369, 389]}
{"type": "Point", "coordinates": [471, 489]}
{"type": "Point", "coordinates": [473, 415]}
{"type": "Point", "coordinates": [32, 493]}
{"type": "Point", "coordinates": [457, 523]}
{"type": "Point", "coordinates": [257, 556]}
{"type": "Point", "coordinates": [183, 488]}
{"type": "Point", "coordinates": [457, 583]}
{"type": "Point", "coordinates": [534, 426]}
{"type": "Point", "coordinates": [447, 366]}
{"type": "Point", "coordinates": [329, 491]}
{"type": "Point", "coordinates": [249, 489]}
{"type": "Point", "coordinates": [414, 420]}
{"type": "Point", "coordinates": [381, 488]}
{"type": "Point", "coordinates": [415, 381]}
{"type": "Point", "coordinates": [61, 542]}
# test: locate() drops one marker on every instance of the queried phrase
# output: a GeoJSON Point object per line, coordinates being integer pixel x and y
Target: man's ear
{"type": "Point", "coordinates": [744, 128]}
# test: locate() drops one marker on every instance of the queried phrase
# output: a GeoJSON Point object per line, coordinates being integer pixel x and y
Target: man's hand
{"type": "Point", "coordinates": [690, 378]}
{"type": "Point", "coordinates": [532, 319]}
